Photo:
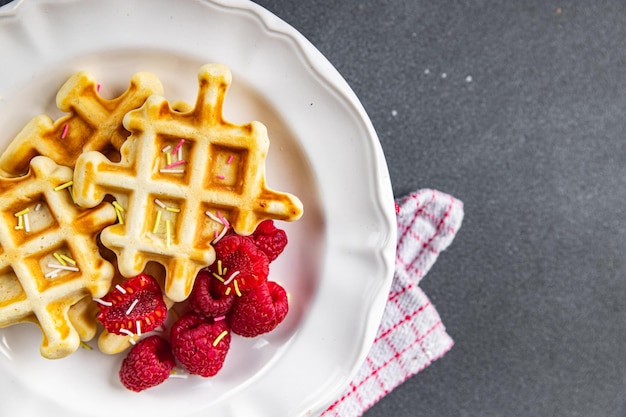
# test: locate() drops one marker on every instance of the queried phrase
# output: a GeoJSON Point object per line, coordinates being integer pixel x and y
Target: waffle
{"type": "Point", "coordinates": [92, 123]}
{"type": "Point", "coordinates": [184, 179]}
{"type": "Point", "coordinates": [49, 257]}
{"type": "Point", "coordinates": [82, 315]}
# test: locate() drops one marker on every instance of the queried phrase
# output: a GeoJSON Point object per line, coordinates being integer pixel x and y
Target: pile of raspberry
{"type": "Point", "coordinates": [233, 295]}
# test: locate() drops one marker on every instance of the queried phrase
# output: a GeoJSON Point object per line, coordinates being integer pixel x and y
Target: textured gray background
{"type": "Point", "coordinates": [516, 108]}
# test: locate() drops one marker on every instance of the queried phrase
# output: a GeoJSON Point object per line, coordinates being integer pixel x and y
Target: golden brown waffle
{"type": "Point", "coordinates": [49, 258]}
{"type": "Point", "coordinates": [82, 315]}
{"type": "Point", "coordinates": [183, 178]}
{"type": "Point", "coordinates": [93, 123]}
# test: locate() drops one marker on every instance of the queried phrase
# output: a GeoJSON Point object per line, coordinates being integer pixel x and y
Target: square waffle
{"type": "Point", "coordinates": [184, 179]}
{"type": "Point", "coordinates": [93, 123]}
{"type": "Point", "coordinates": [49, 256]}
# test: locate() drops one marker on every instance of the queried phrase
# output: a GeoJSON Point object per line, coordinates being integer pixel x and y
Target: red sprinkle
{"type": "Point", "coordinates": [175, 164]}
{"type": "Point", "coordinates": [178, 146]}
{"type": "Point", "coordinates": [65, 128]}
{"type": "Point", "coordinates": [223, 219]}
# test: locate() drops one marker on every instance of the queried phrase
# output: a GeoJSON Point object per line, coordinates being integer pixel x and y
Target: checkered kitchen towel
{"type": "Point", "coordinates": [411, 335]}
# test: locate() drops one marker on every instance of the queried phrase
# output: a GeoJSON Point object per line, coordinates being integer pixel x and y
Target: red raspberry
{"type": "Point", "coordinates": [270, 239]}
{"type": "Point", "coordinates": [205, 299]}
{"type": "Point", "coordinates": [259, 310]}
{"type": "Point", "coordinates": [138, 301]}
{"type": "Point", "coordinates": [147, 364]}
{"type": "Point", "coordinates": [200, 344]}
{"type": "Point", "coordinates": [239, 265]}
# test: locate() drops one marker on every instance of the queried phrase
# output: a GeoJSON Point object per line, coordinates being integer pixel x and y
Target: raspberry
{"type": "Point", "coordinates": [200, 344]}
{"type": "Point", "coordinates": [136, 306]}
{"type": "Point", "coordinates": [270, 239]}
{"type": "Point", "coordinates": [259, 310]}
{"type": "Point", "coordinates": [239, 265]}
{"type": "Point", "coordinates": [148, 364]}
{"type": "Point", "coordinates": [205, 299]}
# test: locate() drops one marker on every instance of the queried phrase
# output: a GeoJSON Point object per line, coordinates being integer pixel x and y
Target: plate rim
{"type": "Point", "coordinates": [327, 73]}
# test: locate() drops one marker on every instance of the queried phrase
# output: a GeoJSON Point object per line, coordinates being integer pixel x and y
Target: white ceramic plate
{"type": "Point", "coordinates": [339, 262]}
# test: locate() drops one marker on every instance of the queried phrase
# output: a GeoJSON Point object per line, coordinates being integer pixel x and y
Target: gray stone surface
{"type": "Point", "coordinates": [516, 108]}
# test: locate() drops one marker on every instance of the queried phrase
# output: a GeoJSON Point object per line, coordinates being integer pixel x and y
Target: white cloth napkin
{"type": "Point", "coordinates": [411, 335]}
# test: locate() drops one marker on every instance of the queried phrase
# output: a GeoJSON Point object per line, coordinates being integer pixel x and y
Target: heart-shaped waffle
{"type": "Point", "coordinates": [49, 257]}
{"type": "Point", "coordinates": [184, 179]}
{"type": "Point", "coordinates": [93, 123]}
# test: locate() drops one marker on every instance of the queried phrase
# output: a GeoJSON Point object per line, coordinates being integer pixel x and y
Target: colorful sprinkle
{"type": "Point", "coordinates": [120, 289]}
{"type": "Point", "coordinates": [53, 273]}
{"type": "Point", "coordinates": [172, 209]}
{"type": "Point", "coordinates": [171, 171]}
{"type": "Point", "coordinates": [64, 186]}
{"type": "Point", "coordinates": [180, 144]}
{"type": "Point", "coordinates": [175, 164]}
{"type": "Point", "coordinates": [22, 212]}
{"type": "Point", "coordinates": [127, 332]}
{"type": "Point", "coordinates": [221, 177]}
{"type": "Point", "coordinates": [222, 219]}
{"type": "Point", "coordinates": [232, 276]}
{"type": "Point", "coordinates": [59, 259]}
{"type": "Point", "coordinates": [138, 325]}
{"type": "Point", "coordinates": [104, 303]}
{"type": "Point", "coordinates": [68, 259]}
{"type": "Point", "coordinates": [213, 217]}
{"type": "Point", "coordinates": [63, 267]}
{"type": "Point", "coordinates": [131, 307]}
{"type": "Point", "coordinates": [118, 206]}
{"type": "Point", "coordinates": [20, 223]}
{"type": "Point", "coordinates": [236, 285]}
{"type": "Point", "coordinates": [221, 235]}
{"type": "Point", "coordinates": [230, 159]}
{"type": "Point", "coordinates": [65, 129]}
{"type": "Point", "coordinates": [159, 203]}
{"type": "Point", "coordinates": [157, 222]}
{"type": "Point", "coordinates": [118, 212]}
{"type": "Point", "coordinates": [26, 223]}
{"type": "Point", "coordinates": [220, 337]}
